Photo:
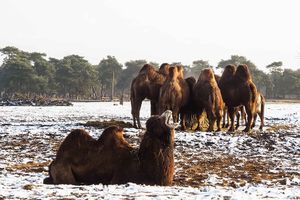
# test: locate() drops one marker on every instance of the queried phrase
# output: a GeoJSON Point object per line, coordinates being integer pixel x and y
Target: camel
{"type": "Point", "coordinates": [207, 95]}
{"type": "Point", "coordinates": [174, 93]}
{"type": "Point", "coordinates": [81, 159]}
{"type": "Point", "coordinates": [146, 85]}
{"type": "Point", "coordinates": [238, 89]}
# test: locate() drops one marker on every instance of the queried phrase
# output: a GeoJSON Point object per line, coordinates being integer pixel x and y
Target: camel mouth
{"type": "Point", "coordinates": [169, 119]}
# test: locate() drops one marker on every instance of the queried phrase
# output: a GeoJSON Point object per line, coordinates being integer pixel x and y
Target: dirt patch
{"type": "Point", "coordinates": [228, 171]}
{"type": "Point", "coordinates": [105, 124]}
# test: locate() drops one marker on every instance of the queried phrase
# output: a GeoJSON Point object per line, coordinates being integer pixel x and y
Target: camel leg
{"type": "Point", "coordinates": [228, 119]}
{"type": "Point", "coordinates": [198, 122]}
{"type": "Point", "coordinates": [261, 122]}
{"type": "Point", "coordinates": [198, 118]}
{"type": "Point", "coordinates": [224, 121]}
{"type": "Point", "coordinates": [225, 115]}
{"type": "Point", "coordinates": [154, 108]}
{"type": "Point", "coordinates": [61, 173]}
{"type": "Point", "coordinates": [231, 115]}
{"type": "Point", "coordinates": [133, 112]}
{"type": "Point", "coordinates": [136, 104]}
{"type": "Point", "coordinates": [219, 118]}
{"type": "Point", "coordinates": [219, 124]}
{"type": "Point", "coordinates": [211, 119]}
{"type": "Point", "coordinates": [243, 115]}
{"type": "Point", "coordinates": [175, 116]}
{"type": "Point", "coordinates": [133, 115]}
{"type": "Point", "coordinates": [262, 115]}
{"type": "Point", "coordinates": [250, 116]}
{"type": "Point", "coordinates": [254, 120]}
{"type": "Point", "coordinates": [138, 120]}
{"type": "Point", "coordinates": [134, 121]}
{"type": "Point", "coordinates": [211, 124]}
{"type": "Point", "coordinates": [238, 116]}
{"type": "Point", "coordinates": [183, 121]}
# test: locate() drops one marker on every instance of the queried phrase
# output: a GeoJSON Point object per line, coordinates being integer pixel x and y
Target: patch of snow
{"type": "Point", "coordinates": [47, 125]}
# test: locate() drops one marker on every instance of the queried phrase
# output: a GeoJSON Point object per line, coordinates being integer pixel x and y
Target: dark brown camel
{"type": "Point", "coordinates": [238, 89]}
{"type": "Point", "coordinates": [187, 112]}
{"type": "Point", "coordinates": [111, 160]}
{"type": "Point", "coordinates": [146, 85]}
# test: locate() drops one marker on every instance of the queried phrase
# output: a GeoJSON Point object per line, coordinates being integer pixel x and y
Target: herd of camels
{"type": "Point", "coordinates": [167, 89]}
{"type": "Point", "coordinates": [81, 159]}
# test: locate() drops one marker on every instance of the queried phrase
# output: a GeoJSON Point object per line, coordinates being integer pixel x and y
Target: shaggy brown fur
{"type": "Point", "coordinates": [111, 160]}
{"type": "Point", "coordinates": [146, 85]}
{"type": "Point", "coordinates": [174, 93]}
{"type": "Point", "coordinates": [238, 89]}
{"type": "Point", "coordinates": [207, 96]}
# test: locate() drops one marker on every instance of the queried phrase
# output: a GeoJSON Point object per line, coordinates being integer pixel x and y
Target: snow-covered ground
{"type": "Point", "coordinates": [260, 165]}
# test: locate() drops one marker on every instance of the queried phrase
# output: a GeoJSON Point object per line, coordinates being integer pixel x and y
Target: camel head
{"type": "Point", "coordinates": [160, 125]}
{"type": "Point", "coordinates": [168, 117]}
{"type": "Point", "coordinates": [206, 75]}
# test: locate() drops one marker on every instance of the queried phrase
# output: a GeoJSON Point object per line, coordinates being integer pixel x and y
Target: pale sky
{"type": "Point", "coordinates": [156, 30]}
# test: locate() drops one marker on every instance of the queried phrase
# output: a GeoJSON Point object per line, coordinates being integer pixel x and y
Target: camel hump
{"type": "Point", "coordinates": [78, 135]}
{"type": "Point", "coordinates": [113, 136]}
{"type": "Point", "coordinates": [164, 69]}
{"type": "Point", "coordinates": [146, 69]}
{"type": "Point", "coordinates": [243, 73]}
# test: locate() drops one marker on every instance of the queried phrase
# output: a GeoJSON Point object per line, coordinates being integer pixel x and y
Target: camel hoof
{"type": "Point", "coordinates": [231, 128]}
{"type": "Point", "coordinates": [210, 130]}
{"type": "Point", "coordinates": [247, 129]}
{"type": "Point", "coordinates": [48, 180]}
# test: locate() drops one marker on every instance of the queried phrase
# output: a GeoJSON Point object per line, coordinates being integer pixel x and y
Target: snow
{"type": "Point", "coordinates": [30, 135]}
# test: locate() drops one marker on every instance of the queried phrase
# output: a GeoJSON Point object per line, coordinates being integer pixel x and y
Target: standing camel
{"type": "Point", "coordinates": [238, 89]}
{"type": "Point", "coordinates": [146, 85]}
{"type": "Point", "coordinates": [174, 93]}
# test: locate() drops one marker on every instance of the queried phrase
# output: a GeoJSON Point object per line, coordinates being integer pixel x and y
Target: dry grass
{"type": "Point", "coordinates": [280, 101]}
{"type": "Point", "coordinates": [280, 127]}
{"type": "Point", "coordinates": [29, 167]}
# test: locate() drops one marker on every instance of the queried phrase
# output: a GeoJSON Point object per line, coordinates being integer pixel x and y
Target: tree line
{"type": "Point", "coordinates": [30, 75]}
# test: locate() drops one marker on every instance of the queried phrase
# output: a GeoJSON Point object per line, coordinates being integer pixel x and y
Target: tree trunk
{"type": "Point", "coordinates": [112, 86]}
